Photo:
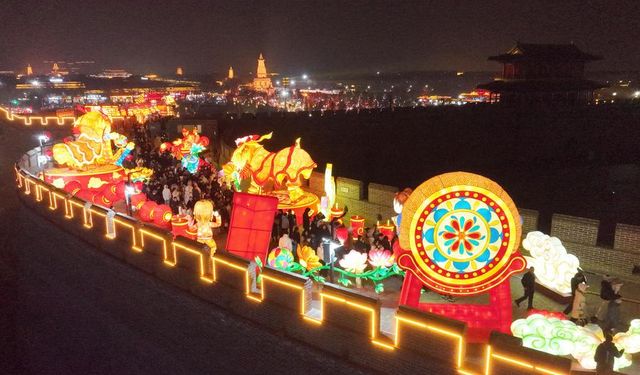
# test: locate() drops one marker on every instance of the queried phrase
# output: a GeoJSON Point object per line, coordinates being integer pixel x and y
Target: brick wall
{"type": "Point", "coordinates": [603, 260]}
{"type": "Point", "coordinates": [627, 237]}
{"type": "Point", "coordinates": [348, 324]}
{"type": "Point", "coordinates": [575, 229]}
{"type": "Point", "coordinates": [529, 220]}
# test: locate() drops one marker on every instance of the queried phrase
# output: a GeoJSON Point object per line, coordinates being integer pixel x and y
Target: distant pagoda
{"type": "Point", "coordinates": [262, 82]}
{"type": "Point", "coordinates": [542, 74]}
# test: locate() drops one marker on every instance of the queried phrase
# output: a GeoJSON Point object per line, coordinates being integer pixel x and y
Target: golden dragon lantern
{"type": "Point", "coordinates": [284, 169]}
{"type": "Point", "coordinates": [92, 146]}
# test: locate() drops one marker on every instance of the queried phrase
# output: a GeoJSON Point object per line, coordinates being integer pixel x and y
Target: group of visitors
{"type": "Point", "coordinates": [172, 184]}
{"type": "Point", "coordinates": [607, 315]}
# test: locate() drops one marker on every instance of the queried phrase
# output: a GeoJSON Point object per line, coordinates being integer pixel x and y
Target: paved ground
{"type": "Point", "coordinates": [68, 309]}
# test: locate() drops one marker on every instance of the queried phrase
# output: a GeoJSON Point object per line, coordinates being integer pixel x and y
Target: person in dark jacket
{"type": "Point", "coordinates": [606, 353]}
{"type": "Point", "coordinates": [529, 285]}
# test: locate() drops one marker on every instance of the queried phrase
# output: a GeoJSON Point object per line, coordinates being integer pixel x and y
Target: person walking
{"type": "Point", "coordinates": [606, 295]}
{"type": "Point", "coordinates": [575, 281]}
{"type": "Point", "coordinates": [605, 355]}
{"type": "Point", "coordinates": [612, 320]}
{"type": "Point", "coordinates": [579, 305]}
{"type": "Point", "coordinates": [529, 284]}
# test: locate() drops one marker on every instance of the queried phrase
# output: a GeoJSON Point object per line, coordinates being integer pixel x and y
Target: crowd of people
{"type": "Point", "coordinates": [288, 233]}
{"type": "Point", "coordinates": [172, 184]}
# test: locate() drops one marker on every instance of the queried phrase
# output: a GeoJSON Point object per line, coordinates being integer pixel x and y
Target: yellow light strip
{"type": "Point", "coordinates": [71, 204]}
{"type": "Point", "coordinates": [512, 360]}
{"type": "Point", "coordinates": [349, 303]}
{"type": "Point", "coordinates": [144, 232]}
{"type": "Point", "coordinates": [39, 191]}
{"type": "Point", "coordinates": [247, 283]}
{"type": "Point", "coordinates": [192, 251]}
{"type": "Point", "coordinates": [441, 331]}
{"type": "Point", "coordinates": [134, 243]}
{"type": "Point", "coordinates": [520, 363]}
{"type": "Point", "coordinates": [285, 283]}
{"type": "Point", "coordinates": [44, 120]}
{"type": "Point", "coordinates": [383, 345]}
{"type": "Point", "coordinates": [53, 200]}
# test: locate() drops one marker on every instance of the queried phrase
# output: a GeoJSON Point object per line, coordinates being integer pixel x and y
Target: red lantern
{"type": "Point", "coordinates": [110, 192]}
{"type": "Point", "coordinates": [342, 233]}
{"type": "Point", "coordinates": [85, 195]}
{"type": "Point", "coordinates": [120, 188]}
{"type": "Point", "coordinates": [145, 211]}
{"type": "Point", "coordinates": [137, 200]}
{"type": "Point", "coordinates": [387, 230]}
{"type": "Point", "coordinates": [73, 187]}
{"type": "Point", "coordinates": [179, 225]}
{"type": "Point", "coordinates": [162, 215]}
{"type": "Point", "coordinates": [204, 141]}
{"type": "Point", "coordinates": [357, 226]}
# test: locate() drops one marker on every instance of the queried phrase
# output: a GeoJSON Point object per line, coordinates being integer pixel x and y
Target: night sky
{"type": "Point", "coordinates": [298, 37]}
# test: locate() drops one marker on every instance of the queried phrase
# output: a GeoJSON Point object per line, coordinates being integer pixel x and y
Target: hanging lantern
{"type": "Point", "coordinates": [357, 226]}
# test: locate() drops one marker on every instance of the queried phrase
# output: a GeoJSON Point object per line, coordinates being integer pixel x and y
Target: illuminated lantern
{"type": "Point", "coordinates": [342, 233]}
{"type": "Point", "coordinates": [138, 185]}
{"type": "Point", "coordinates": [336, 211]}
{"type": "Point", "coordinates": [357, 226]}
{"type": "Point", "coordinates": [179, 226]}
{"type": "Point", "coordinates": [72, 187]}
{"type": "Point", "coordinates": [162, 215]}
{"type": "Point", "coordinates": [204, 141]}
{"type": "Point", "coordinates": [85, 195]}
{"type": "Point", "coordinates": [146, 210]}
{"type": "Point", "coordinates": [387, 230]}
{"type": "Point", "coordinates": [137, 200]}
{"type": "Point", "coordinates": [120, 188]}
{"type": "Point", "coordinates": [110, 192]}
{"type": "Point", "coordinates": [280, 258]}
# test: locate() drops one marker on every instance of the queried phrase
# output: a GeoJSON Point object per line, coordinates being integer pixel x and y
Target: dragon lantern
{"type": "Point", "coordinates": [92, 146]}
{"type": "Point", "coordinates": [187, 149]}
{"type": "Point", "coordinates": [251, 161]}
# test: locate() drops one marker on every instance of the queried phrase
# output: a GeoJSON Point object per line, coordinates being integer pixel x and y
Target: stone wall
{"type": "Point", "coordinates": [347, 323]}
{"type": "Point", "coordinates": [627, 238]}
{"type": "Point", "coordinates": [575, 229]}
{"type": "Point", "coordinates": [579, 235]}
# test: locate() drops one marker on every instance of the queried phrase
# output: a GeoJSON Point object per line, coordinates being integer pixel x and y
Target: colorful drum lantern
{"type": "Point", "coordinates": [357, 226]}
{"type": "Point", "coordinates": [387, 230]}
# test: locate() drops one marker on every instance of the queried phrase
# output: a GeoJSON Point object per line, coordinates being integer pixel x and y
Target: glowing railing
{"type": "Point", "coordinates": [414, 330]}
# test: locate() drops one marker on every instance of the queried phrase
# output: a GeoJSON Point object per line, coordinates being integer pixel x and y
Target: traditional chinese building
{"type": "Point", "coordinates": [542, 74]}
{"type": "Point", "coordinates": [262, 82]}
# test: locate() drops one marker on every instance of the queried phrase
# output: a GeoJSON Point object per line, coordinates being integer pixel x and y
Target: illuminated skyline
{"type": "Point", "coordinates": [298, 37]}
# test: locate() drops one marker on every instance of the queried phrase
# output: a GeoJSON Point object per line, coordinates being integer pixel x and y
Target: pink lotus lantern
{"type": "Point", "coordinates": [357, 226]}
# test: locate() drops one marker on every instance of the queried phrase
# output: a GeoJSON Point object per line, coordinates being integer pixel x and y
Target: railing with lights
{"type": "Point", "coordinates": [344, 321]}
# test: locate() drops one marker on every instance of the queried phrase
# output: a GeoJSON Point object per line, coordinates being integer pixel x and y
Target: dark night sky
{"type": "Point", "coordinates": [309, 36]}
